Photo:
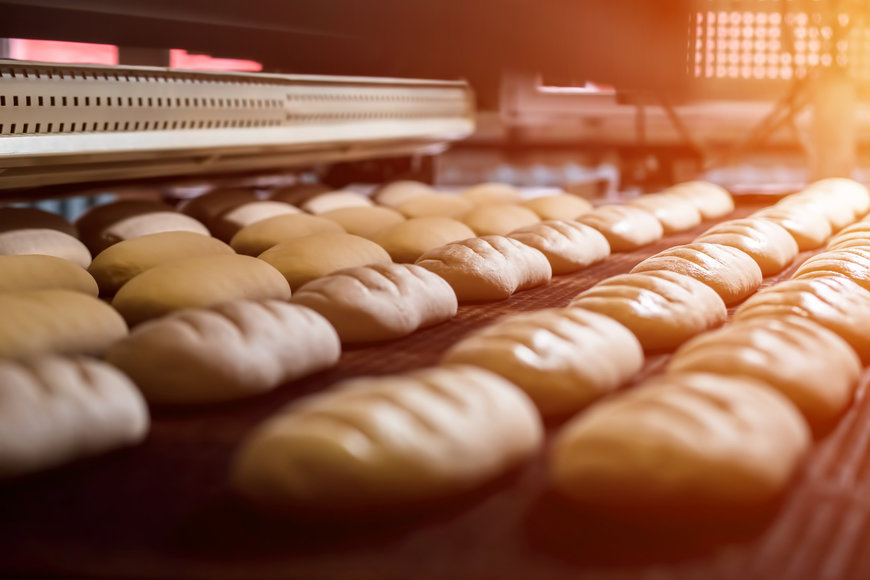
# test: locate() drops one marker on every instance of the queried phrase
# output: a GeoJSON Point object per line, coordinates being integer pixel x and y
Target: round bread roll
{"type": "Point", "coordinates": [198, 282]}
{"type": "Point", "coordinates": [683, 446]}
{"type": "Point", "coordinates": [816, 369]}
{"type": "Point", "coordinates": [492, 193]}
{"type": "Point", "coordinates": [118, 264]}
{"type": "Point", "coordinates": [149, 223]}
{"type": "Point", "coordinates": [39, 322]}
{"type": "Point", "coordinates": [34, 272]}
{"type": "Point", "coordinates": [770, 245]}
{"type": "Point", "coordinates": [397, 192]}
{"type": "Point", "coordinates": [838, 214]}
{"type": "Point", "coordinates": [849, 191]}
{"type": "Point", "coordinates": [853, 263]}
{"type": "Point", "coordinates": [569, 246]}
{"type": "Point", "coordinates": [663, 309]}
{"type": "Point", "coordinates": [208, 206]}
{"type": "Point", "coordinates": [409, 240]}
{"type": "Point", "coordinates": [92, 223]}
{"type": "Point", "coordinates": [57, 409]}
{"type": "Point", "coordinates": [835, 302]}
{"type": "Point", "coordinates": [364, 221]}
{"type": "Point", "coordinates": [371, 443]}
{"type": "Point", "coordinates": [808, 228]}
{"type": "Point", "coordinates": [710, 199]}
{"type": "Point", "coordinates": [31, 218]}
{"type": "Point", "coordinates": [625, 227]}
{"type": "Point", "coordinates": [228, 224]}
{"type": "Point", "coordinates": [675, 212]}
{"type": "Point", "coordinates": [855, 235]}
{"type": "Point", "coordinates": [229, 351]}
{"type": "Point", "coordinates": [488, 268]}
{"type": "Point", "coordinates": [732, 273]}
{"type": "Point", "coordinates": [44, 242]}
{"type": "Point", "coordinates": [335, 200]}
{"type": "Point", "coordinates": [499, 220]}
{"type": "Point", "coordinates": [562, 358]}
{"type": "Point", "coordinates": [258, 237]}
{"type": "Point", "coordinates": [298, 193]}
{"type": "Point", "coordinates": [435, 205]}
{"type": "Point", "coordinates": [379, 302]}
{"type": "Point", "coordinates": [305, 259]}
{"type": "Point", "coordinates": [562, 206]}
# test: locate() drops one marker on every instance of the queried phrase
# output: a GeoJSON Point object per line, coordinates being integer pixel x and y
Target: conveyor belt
{"type": "Point", "coordinates": [163, 510]}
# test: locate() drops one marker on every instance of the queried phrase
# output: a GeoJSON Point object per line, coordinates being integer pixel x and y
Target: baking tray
{"type": "Point", "coordinates": [163, 510]}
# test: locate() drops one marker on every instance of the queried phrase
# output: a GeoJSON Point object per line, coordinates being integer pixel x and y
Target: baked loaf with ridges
{"type": "Point", "coordinates": [675, 212]}
{"type": "Point", "coordinates": [569, 246]}
{"type": "Point", "coordinates": [711, 200]}
{"type": "Point", "coordinates": [396, 192]}
{"type": "Point", "coordinates": [407, 241]}
{"type": "Point", "coordinates": [258, 237]}
{"type": "Point", "coordinates": [149, 223]}
{"type": "Point", "coordinates": [838, 214]}
{"type": "Point", "coordinates": [46, 242]}
{"type": "Point", "coordinates": [29, 218]}
{"type": "Point", "coordinates": [816, 369]}
{"type": "Point", "coordinates": [492, 193]}
{"type": "Point", "coordinates": [379, 302]}
{"type": "Point", "coordinates": [809, 229]}
{"type": "Point", "coordinates": [90, 225]}
{"type": "Point", "coordinates": [197, 283]}
{"type": "Point", "coordinates": [835, 302]}
{"type": "Point", "coordinates": [561, 206]}
{"type": "Point", "coordinates": [118, 264]}
{"type": "Point", "coordinates": [681, 446]}
{"type": "Point", "coordinates": [325, 202]}
{"type": "Point", "coordinates": [499, 219]}
{"type": "Point", "coordinates": [364, 221]}
{"type": "Point", "coordinates": [853, 263]}
{"type": "Point", "coordinates": [849, 191]}
{"type": "Point", "coordinates": [39, 322]}
{"type": "Point", "coordinates": [375, 443]}
{"type": "Point", "coordinates": [857, 234]}
{"type": "Point", "coordinates": [732, 273]}
{"type": "Point", "coordinates": [228, 224]}
{"type": "Point", "coordinates": [305, 259]}
{"type": "Point", "coordinates": [625, 227]}
{"type": "Point", "coordinates": [770, 245]}
{"type": "Point", "coordinates": [54, 410]}
{"type": "Point", "coordinates": [562, 358]}
{"type": "Point", "coordinates": [489, 268]}
{"type": "Point", "coordinates": [435, 205]}
{"type": "Point", "coordinates": [206, 207]}
{"type": "Point", "coordinates": [663, 309]}
{"type": "Point", "coordinates": [34, 272]}
{"type": "Point", "coordinates": [229, 351]}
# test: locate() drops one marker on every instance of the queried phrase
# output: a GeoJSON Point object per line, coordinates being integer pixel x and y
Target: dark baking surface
{"type": "Point", "coordinates": [163, 510]}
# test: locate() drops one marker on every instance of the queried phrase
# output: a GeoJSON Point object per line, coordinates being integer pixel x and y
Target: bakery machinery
{"type": "Point", "coordinates": [296, 332]}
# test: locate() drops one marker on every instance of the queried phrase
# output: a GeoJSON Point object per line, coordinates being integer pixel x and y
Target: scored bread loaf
{"type": "Point", "coordinates": [711, 200]}
{"type": "Point", "coordinates": [675, 212]}
{"type": "Point", "coordinates": [569, 246]}
{"type": "Point", "coordinates": [625, 227]}
{"type": "Point", "coordinates": [770, 245]}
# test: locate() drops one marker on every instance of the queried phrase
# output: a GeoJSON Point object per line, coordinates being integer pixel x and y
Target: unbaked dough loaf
{"type": "Point", "coordinates": [305, 259]}
{"type": "Point", "coordinates": [46, 242]}
{"type": "Point", "coordinates": [379, 302]}
{"type": "Point", "coordinates": [39, 322]}
{"type": "Point", "coordinates": [492, 193]}
{"type": "Point", "coordinates": [298, 193]}
{"type": "Point", "coordinates": [335, 200]}
{"type": "Point", "coordinates": [849, 191]}
{"type": "Point", "coordinates": [206, 207]}
{"type": "Point", "coordinates": [90, 225]}
{"type": "Point", "coordinates": [562, 358]}
{"type": "Point", "coordinates": [29, 218]}
{"type": "Point", "coordinates": [683, 446]}
{"type": "Point", "coordinates": [808, 228]}
{"type": "Point", "coordinates": [770, 245]}
{"type": "Point", "coordinates": [835, 302]}
{"type": "Point", "coordinates": [853, 263]}
{"type": "Point", "coordinates": [838, 213]}
{"type": "Point", "coordinates": [488, 268]}
{"type": "Point", "coordinates": [499, 219]}
{"type": "Point", "coordinates": [118, 264]}
{"type": "Point", "coordinates": [857, 234]}
{"type": "Point", "coordinates": [409, 240]}
{"type": "Point", "coordinates": [373, 443]}
{"type": "Point", "coordinates": [816, 369]}
{"type": "Point", "coordinates": [397, 192]}
{"type": "Point", "coordinates": [562, 206]}
{"type": "Point", "coordinates": [258, 237]}
{"type": "Point", "coordinates": [710, 199]}
{"type": "Point", "coordinates": [34, 272]}
{"type": "Point", "coordinates": [435, 205]}
{"type": "Point", "coordinates": [229, 351]}
{"type": "Point", "coordinates": [732, 273]}
{"type": "Point", "coordinates": [625, 227]}
{"type": "Point", "coordinates": [675, 212]}
{"type": "Point", "coordinates": [663, 309]}
{"type": "Point", "coordinates": [54, 410]}
{"type": "Point", "coordinates": [149, 223]}
{"type": "Point", "coordinates": [198, 282]}
{"type": "Point", "coordinates": [364, 221]}
{"type": "Point", "coordinates": [228, 224]}
{"type": "Point", "coordinates": [569, 246]}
